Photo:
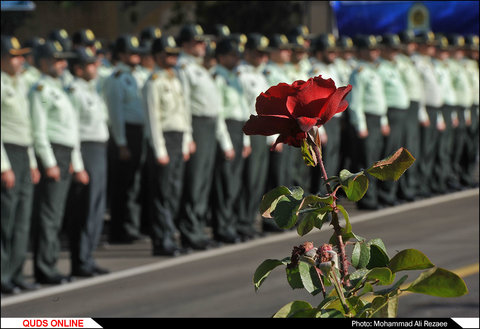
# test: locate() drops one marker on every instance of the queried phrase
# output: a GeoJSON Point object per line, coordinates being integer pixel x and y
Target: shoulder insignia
{"type": "Point", "coordinates": [154, 76]}
{"type": "Point", "coordinates": [360, 69]}
{"type": "Point", "coordinates": [70, 89]}
{"type": "Point", "coordinates": [39, 87]}
{"type": "Point", "coordinates": [117, 74]}
{"type": "Point", "coordinates": [267, 72]}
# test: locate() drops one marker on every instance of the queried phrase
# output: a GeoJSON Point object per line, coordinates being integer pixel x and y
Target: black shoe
{"type": "Point", "coordinates": [27, 286]}
{"type": "Point", "coordinates": [83, 273]}
{"type": "Point", "coordinates": [364, 206]}
{"type": "Point", "coordinates": [200, 245]}
{"type": "Point", "coordinates": [10, 289]}
{"type": "Point", "coordinates": [230, 238]}
{"type": "Point", "coordinates": [57, 279]}
{"type": "Point", "coordinates": [100, 270]}
{"type": "Point", "coordinates": [172, 252]}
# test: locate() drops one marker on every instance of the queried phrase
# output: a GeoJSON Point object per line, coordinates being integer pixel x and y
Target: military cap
{"type": "Point", "coordinates": [11, 46]}
{"type": "Point", "coordinates": [150, 33]}
{"type": "Point", "coordinates": [407, 36]}
{"type": "Point", "coordinates": [471, 41]}
{"type": "Point", "coordinates": [257, 41]}
{"type": "Point", "coordinates": [324, 42]}
{"type": "Point", "coordinates": [210, 47]}
{"type": "Point", "coordinates": [441, 41]}
{"type": "Point", "coordinates": [363, 41]}
{"type": "Point", "coordinates": [165, 43]}
{"type": "Point", "coordinates": [456, 40]}
{"type": "Point", "coordinates": [221, 31]}
{"type": "Point", "coordinates": [84, 37]}
{"type": "Point", "coordinates": [61, 35]}
{"type": "Point", "coordinates": [128, 43]}
{"type": "Point", "coordinates": [53, 49]}
{"type": "Point", "coordinates": [228, 46]}
{"type": "Point", "coordinates": [300, 30]}
{"type": "Point", "coordinates": [279, 41]}
{"type": "Point", "coordinates": [297, 42]}
{"type": "Point", "coordinates": [83, 55]}
{"type": "Point", "coordinates": [34, 42]}
{"type": "Point", "coordinates": [391, 40]}
{"type": "Point", "coordinates": [191, 32]}
{"type": "Point", "coordinates": [425, 37]}
{"type": "Point", "coordinates": [241, 38]}
{"type": "Point", "coordinates": [345, 43]}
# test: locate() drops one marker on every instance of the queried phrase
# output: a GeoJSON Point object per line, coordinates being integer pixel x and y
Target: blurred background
{"type": "Point", "coordinates": [108, 19]}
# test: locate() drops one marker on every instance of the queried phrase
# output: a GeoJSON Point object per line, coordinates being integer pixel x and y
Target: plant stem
{"type": "Point", "coordinates": [335, 223]}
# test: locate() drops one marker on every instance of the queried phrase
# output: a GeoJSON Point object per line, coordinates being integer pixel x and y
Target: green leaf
{"type": "Point", "coordinates": [378, 257]}
{"type": "Point", "coordinates": [263, 270]}
{"type": "Point", "coordinates": [292, 308]}
{"type": "Point", "coordinates": [309, 277]}
{"type": "Point", "coordinates": [382, 274]}
{"type": "Point", "coordinates": [409, 259]}
{"type": "Point", "coordinates": [354, 185]}
{"type": "Point", "coordinates": [309, 158]}
{"type": "Point", "coordinates": [393, 166]}
{"type": "Point", "coordinates": [379, 243]}
{"type": "Point", "coordinates": [293, 277]}
{"type": "Point", "coordinates": [393, 287]}
{"type": "Point", "coordinates": [285, 213]}
{"type": "Point", "coordinates": [385, 307]}
{"type": "Point", "coordinates": [360, 255]}
{"type": "Point", "coordinates": [331, 313]}
{"type": "Point", "coordinates": [440, 283]}
{"type": "Point", "coordinates": [270, 200]}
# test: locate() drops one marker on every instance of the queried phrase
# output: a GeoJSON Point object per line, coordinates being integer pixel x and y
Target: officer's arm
{"type": "Point", "coordinates": [355, 101]}
{"type": "Point", "coordinates": [39, 128]}
{"type": "Point", "coordinates": [153, 115]}
{"type": "Point", "coordinates": [113, 97]}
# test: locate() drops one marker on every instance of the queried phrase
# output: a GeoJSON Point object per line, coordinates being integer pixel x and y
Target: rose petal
{"type": "Point", "coordinates": [335, 104]}
{"type": "Point", "coordinates": [273, 101]}
{"type": "Point", "coordinates": [314, 90]}
{"type": "Point", "coordinates": [305, 123]}
{"type": "Point", "coordinates": [269, 125]}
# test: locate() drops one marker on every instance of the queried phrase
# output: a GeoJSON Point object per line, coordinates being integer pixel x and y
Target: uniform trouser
{"type": "Point", "coordinates": [443, 169]}
{"type": "Point", "coordinates": [366, 152]}
{"type": "Point", "coordinates": [392, 142]}
{"type": "Point", "coordinates": [330, 156]}
{"type": "Point", "coordinates": [429, 137]}
{"type": "Point", "coordinates": [86, 207]}
{"type": "Point", "coordinates": [407, 184]}
{"type": "Point", "coordinates": [166, 187]}
{"type": "Point", "coordinates": [253, 186]}
{"type": "Point", "coordinates": [48, 210]}
{"type": "Point", "coordinates": [470, 156]}
{"type": "Point", "coordinates": [16, 216]}
{"type": "Point", "coordinates": [192, 219]}
{"type": "Point", "coordinates": [459, 146]}
{"type": "Point", "coordinates": [227, 183]}
{"type": "Point", "coordinates": [280, 173]}
{"type": "Point", "coordinates": [125, 183]}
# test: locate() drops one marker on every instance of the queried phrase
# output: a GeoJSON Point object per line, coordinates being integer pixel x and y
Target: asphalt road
{"type": "Point", "coordinates": [218, 282]}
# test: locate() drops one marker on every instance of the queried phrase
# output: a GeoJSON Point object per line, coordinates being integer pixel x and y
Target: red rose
{"type": "Point", "coordinates": [292, 110]}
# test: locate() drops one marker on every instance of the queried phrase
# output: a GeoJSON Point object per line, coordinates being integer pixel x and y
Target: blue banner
{"type": "Point", "coordinates": [379, 17]}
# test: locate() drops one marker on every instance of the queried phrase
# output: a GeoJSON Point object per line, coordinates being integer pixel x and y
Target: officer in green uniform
{"type": "Point", "coordinates": [324, 50]}
{"type": "Point", "coordinates": [398, 103]}
{"type": "Point", "coordinates": [464, 101]}
{"type": "Point", "coordinates": [30, 73]}
{"type": "Point", "coordinates": [56, 142]}
{"type": "Point", "coordinates": [204, 101]}
{"type": "Point", "coordinates": [233, 146]}
{"type": "Point", "coordinates": [62, 36]}
{"type": "Point", "coordinates": [169, 133]}
{"type": "Point", "coordinates": [126, 113]}
{"type": "Point", "coordinates": [470, 62]}
{"type": "Point", "coordinates": [18, 166]}
{"type": "Point", "coordinates": [280, 170]}
{"type": "Point", "coordinates": [88, 193]}
{"type": "Point", "coordinates": [407, 184]}
{"type": "Point", "coordinates": [432, 123]}
{"type": "Point", "coordinates": [368, 113]}
{"type": "Point", "coordinates": [344, 63]}
{"type": "Point", "coordinates": [253, 83]}
{"type": "Point", "coordinates": [301, 174]}
{"type": "Point", "coordinates": [443, 165]}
